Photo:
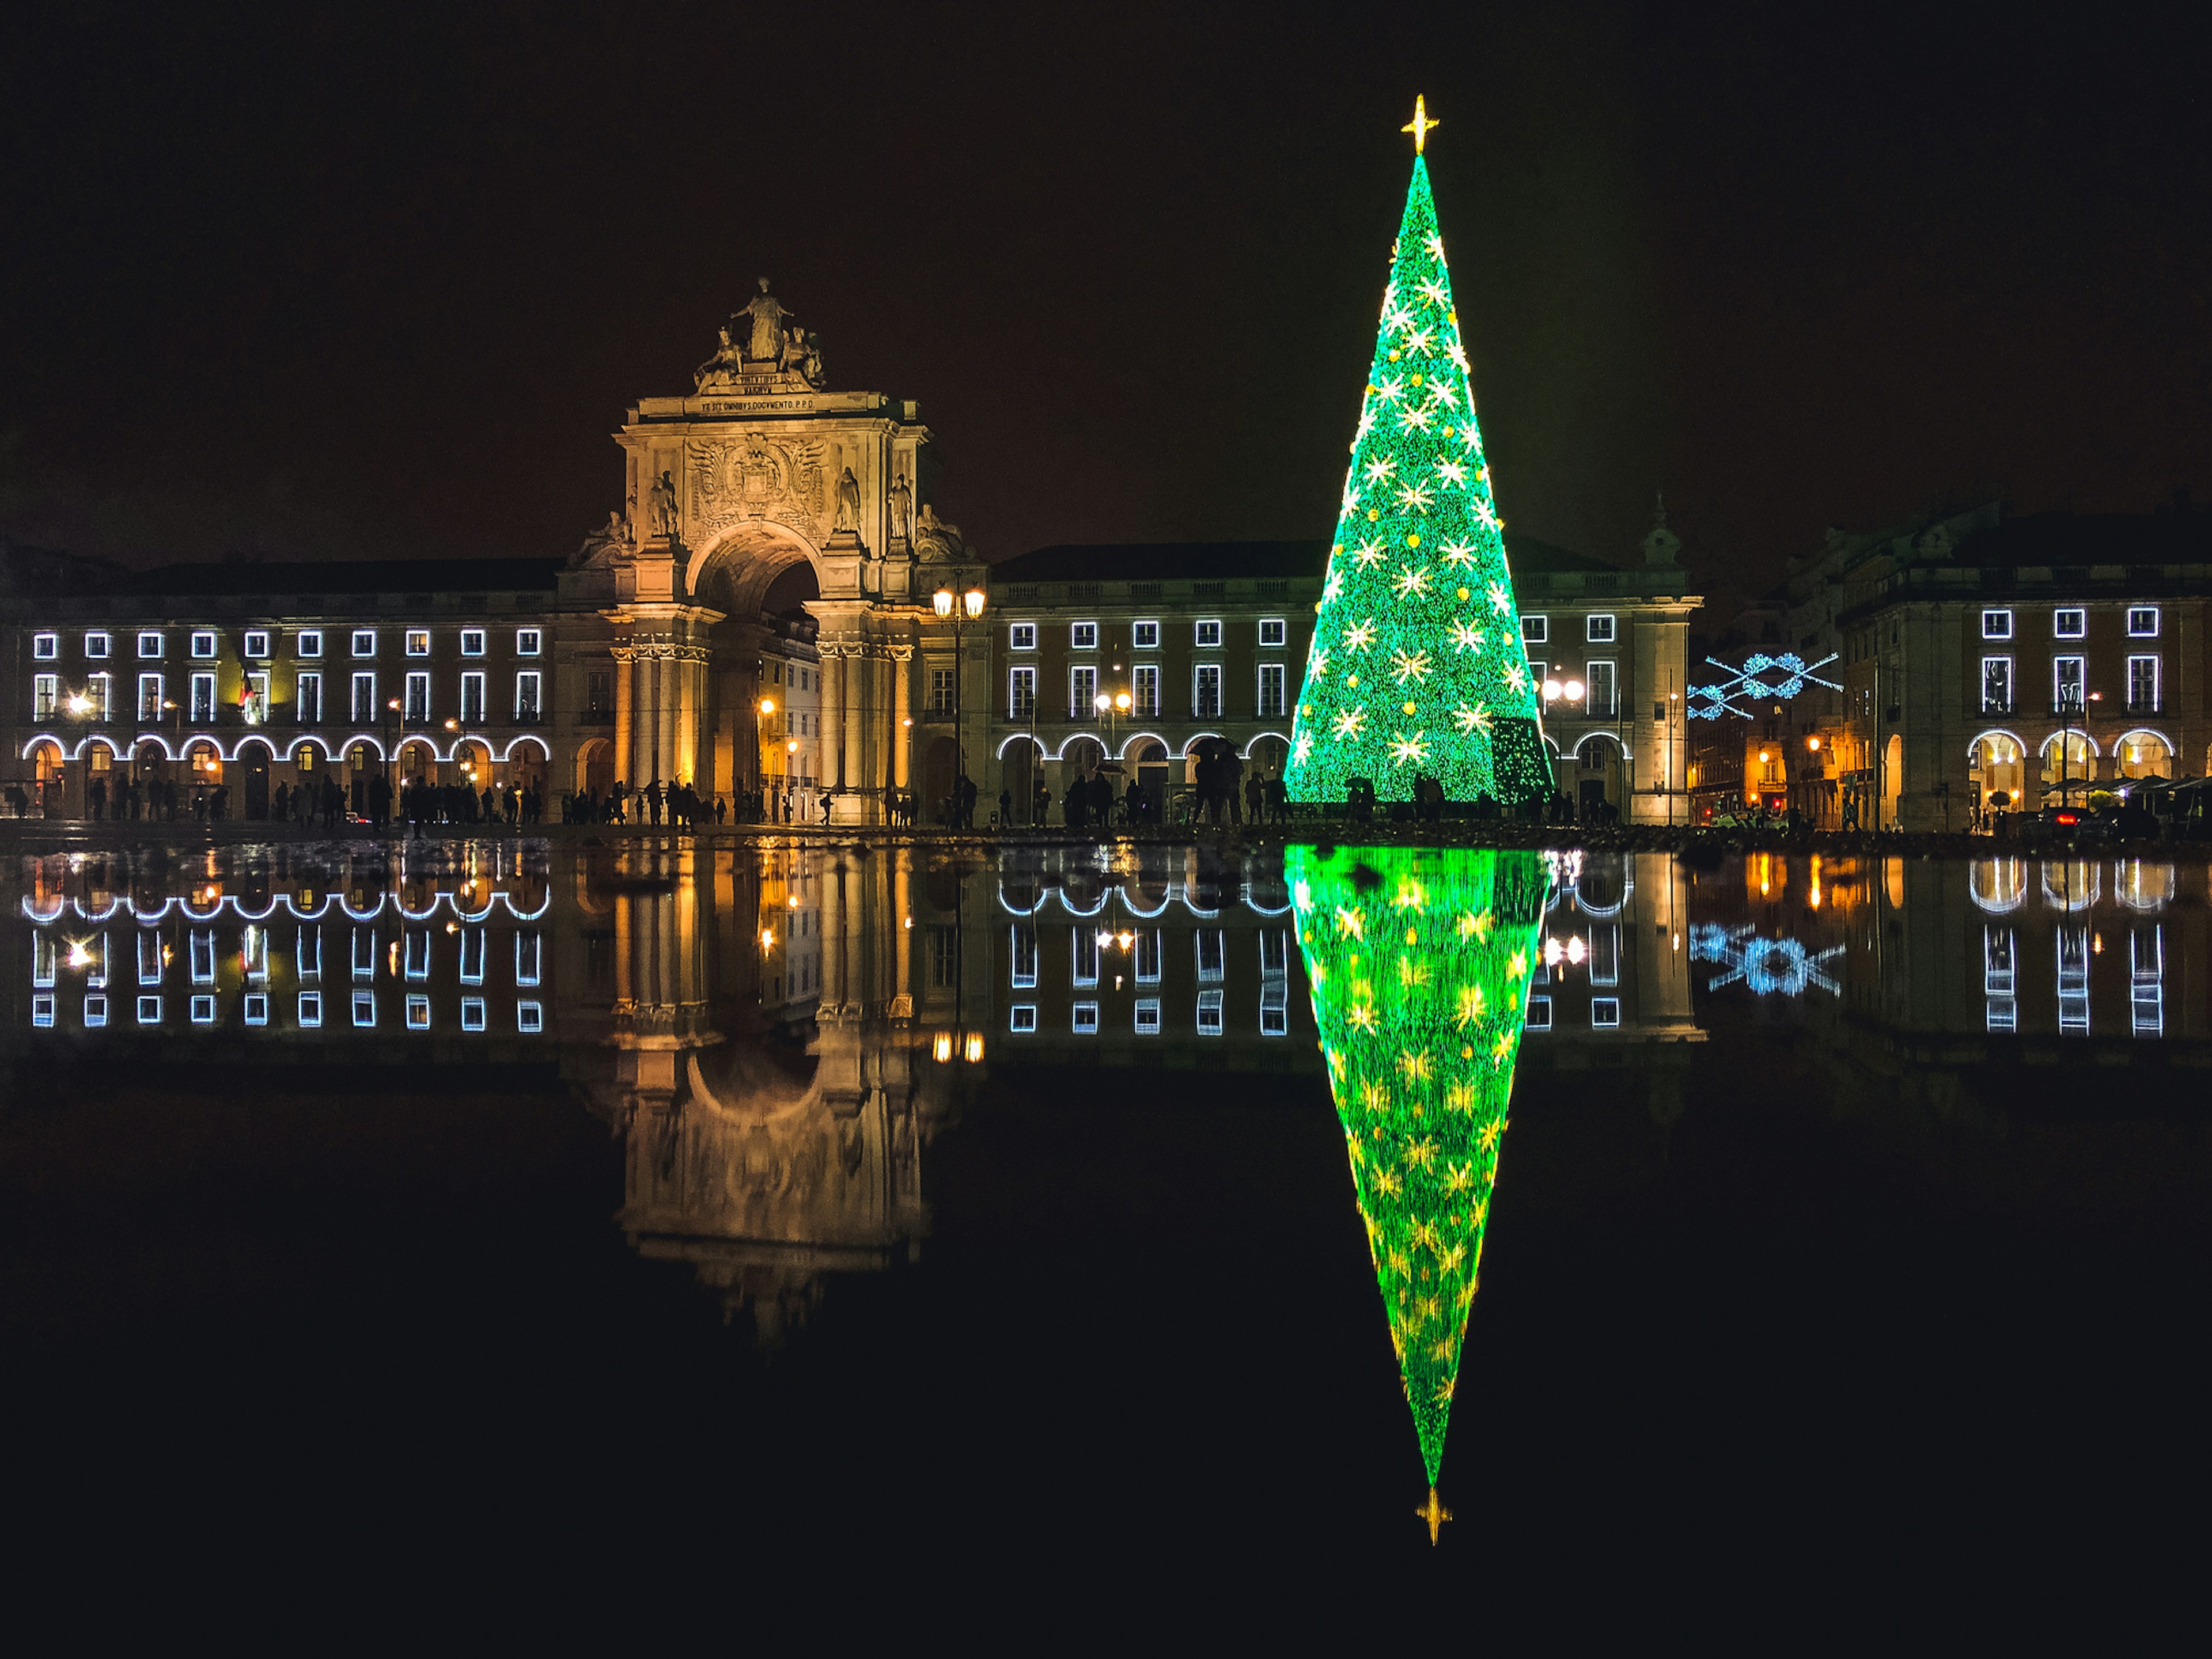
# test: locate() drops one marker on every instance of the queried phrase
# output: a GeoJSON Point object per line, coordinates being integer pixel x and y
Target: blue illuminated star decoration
{"type": "Point", "coordinates": [1761, 678]}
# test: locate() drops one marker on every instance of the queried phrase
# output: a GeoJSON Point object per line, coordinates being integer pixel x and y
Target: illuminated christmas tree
{"type": "Point", "coordinates": [1416, 664]}
{"type": "Point", "coordinates": [1418, 962]}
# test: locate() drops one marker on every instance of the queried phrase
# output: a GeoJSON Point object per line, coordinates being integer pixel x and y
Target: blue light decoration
{"type": "Point", "coordinates": [1756, 681]}
{"type": "Point", "coordinates": [1770, 967]}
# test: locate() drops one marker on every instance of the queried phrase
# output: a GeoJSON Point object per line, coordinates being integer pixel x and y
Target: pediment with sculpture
{"type": "Point", "coordinates": [762, 348]}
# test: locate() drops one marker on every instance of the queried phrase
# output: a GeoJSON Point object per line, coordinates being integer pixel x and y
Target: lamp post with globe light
{"type": "Point", "coordinates": [961, 609]}
{"type": "Point", "coordinates": [1560, 690]}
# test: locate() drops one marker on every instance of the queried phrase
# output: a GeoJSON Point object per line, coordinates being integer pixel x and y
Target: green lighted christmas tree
{"type": "Point", "coordinates": [1418, 962]}
{"type": "Point", "coordinates": [1416, 664]}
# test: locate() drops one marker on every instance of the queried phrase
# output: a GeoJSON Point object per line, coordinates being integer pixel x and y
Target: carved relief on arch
{"type": "Point", "coordinates": [753, 478]}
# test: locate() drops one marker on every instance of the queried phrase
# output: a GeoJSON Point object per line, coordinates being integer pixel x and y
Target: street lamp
{"type": "Point", "coordinates": [960, 609]}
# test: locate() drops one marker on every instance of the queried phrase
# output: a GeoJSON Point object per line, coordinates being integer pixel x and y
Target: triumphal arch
{"type": "Point", "coordinates": [770, 579]}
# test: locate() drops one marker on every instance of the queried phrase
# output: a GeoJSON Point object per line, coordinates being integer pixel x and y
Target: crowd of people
{"type": "Point", "coordinates": [682, 806]}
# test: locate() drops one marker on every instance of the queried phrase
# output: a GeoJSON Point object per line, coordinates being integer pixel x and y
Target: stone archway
{"type": "Point", "coordinates": [734, 573]}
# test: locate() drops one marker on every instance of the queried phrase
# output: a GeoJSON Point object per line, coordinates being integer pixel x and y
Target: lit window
{"type": "Point", "coordinates": [1209, 635]}
{"type": "Point", "coordinates": [472, 699]}
{"type": "Point", "coordinates": [364, 1007]}
{"type": "Point", "coordinates": [526, 641]}
{"type": "Point", "coordinates": [418, 1013]}
{"type": "Point", "coordinates": [1273, 631]}
{"type": "Point", "coordinates": [1536, 630]}
{"type": "Point", "coordinates": [202, 1011]}
{"type": "Point", "coordinates": [2069, 624]}
{"type": "Point", "coordinates": [1022, 636]}
{"type": "Point", "coordinates": [95, 645]}
{"type": "Point", "coordinates": [1271, 679]}
{"type": "Point", "coordinates": [472, 1013]}
{"type": "Point", "coordinates": [1085, 1020]}
{"type": "Point", "coordinates": [311, 1008]}
{"type": "Point", "coordinates": [2142, 685]}
{"type": "Point", "coordinates": [472, 641]}
{"type": "Point", "coordinates": [45, 648]}
{"type": "Point", "coordinates": [257, 1007]}
{"type": "Point", "coordinates": [149, 645]}
{"type": "Point", "coordinates": [257, 643]}
{"type": "Point", "coordinates": [418, 698]}
{"type": "Point", "coordinates": [1997, 624]}
{"type": "Point", "coordinates": [95, 1010]}
{"type": "Point", "coordinates": [1148, 1016]}
{"type": "Point", "coordinates": [1605, 1012]}
{"type": "Point", "coordinates": [1145, 635]}
{"type": "Point", "coordinates": [1598, 630]}
{"type": "Point", "coordinates": [150, 1010]}
{"type": "Point", "coordinates": [1083, 636]}
{"type": "Point", "coordinates": [203, 645]}
{"type": "Point", "coordinates": [1539, 1017]}
{"type": "Point", "coordinates": [529, 1016]}
{"type": "Point", "coordinates": [364, 641]}
{"type": "Point", "coordinates": [1209, 1013]}
{"type": "Point", "coordinates": [46, 693]}
{"type": "Point", "coordinates": [203, 697]}
{"type": "Point", "coordinates": [100, 688]}
{"type": "Point", "coordinates": [418, 641]}
{"type": "Point", "coordinates": [527, 706]}
{"type": "Point", "coordinates": [528, 948]}
{"type": "Point", "coordinates": [2142, 621]}
{"type": "Point", "coordinates": [364, 699]}
{"type": "Point", "coordinates": [309, 643]}
{"type": "Point", "coordinates": [1022, 1017]}
{"type": "Point", "coordinates": [42, 1010]}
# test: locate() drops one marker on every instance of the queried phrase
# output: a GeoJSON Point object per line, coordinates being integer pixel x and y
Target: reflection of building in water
{"type": "Point", "coordinates": [1106, 957]}
{"type": "Point", "coordinates": [446, 949]}
{"type": "Point", "coordinates": [1612, 966]}
{"type": "Point", "coordinates": [771, 1084]}
{"type": "Point", "coordinates": [2035, 950]}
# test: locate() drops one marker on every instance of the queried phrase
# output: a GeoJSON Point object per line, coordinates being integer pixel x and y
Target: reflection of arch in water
{"type": "Point", "coordinates": [2141, 884]}
{"type": "Point", "coordinates": [1603, 887]}
{"type": "Point", "coordinates": [1997, 885]}
{"type": "Point", "coordinates": [2072, 883]}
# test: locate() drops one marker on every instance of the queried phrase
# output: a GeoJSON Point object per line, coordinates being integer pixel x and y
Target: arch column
{"type": "Point", "coordinates": [902, 732]}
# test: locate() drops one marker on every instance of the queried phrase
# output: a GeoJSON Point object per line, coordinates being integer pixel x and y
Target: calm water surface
{"type": "Point", "coordinates": [1851, 1218]}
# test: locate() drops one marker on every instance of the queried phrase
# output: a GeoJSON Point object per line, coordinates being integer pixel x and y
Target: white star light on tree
{"type": "Point", "coordinates": [1500, 599]}
{"type": "Point", "coordinates": [1435, 243]}
{"type": "Point", "coordinates": [1347, 723]}
{"type": "Point", "coordinates": [1415, 420]}
{"type": "Point", "coordinates": [1443, 393]}
{"type": "Point", "coordinates": [1351, 499]}
{"type": "Point", "coordinates": [1473, 440]}
{"type": "Point", "coordinates": [1301, 750]}
{"type": "Point", "coordinates": [1486, 514]}
{"type": "Point", "coordinates": [1414, 498]}
{"type": "Point", "coordinates": [1390, 392]}
{"type": "Point", "coordinates": [1423, 341]}
{"type": "Point", "coordinates": [1465, 637]}
{"type": "Point", "coordinates": [1477, 719]}
{"type": "Point", "coordinates": [1404, 749]}
{"type": "Point", "coordinates": [1360, 635]}
{"type": "Point", "coordinates": [1409, 582]}
{"type": "Point", "coordinates": [1366, 426]}
{"type": "Point", "coordinates": [1399, 319]}
{"type": "Point", "coordinates": [1335, 586]}
{"type": "Point", "coordinates": [1433, 292]}
{"type": "Point", "coordinates": [1459, 553]}
{"type": "Point", "coordinates": [1413, 667]}
{"type": "Point", "coordinates": [1369, 553]}
{"type": "Point", "coordinates": [1451, 471]}
{"type": "Point", "coordinates": [1517, 679]}
{"type": "Point", "coordinates": [1381, 469]}
{"type": "Point", "coordinates": [1319, 661]}
{"type": "Point", "coordinates": [1457, 353]}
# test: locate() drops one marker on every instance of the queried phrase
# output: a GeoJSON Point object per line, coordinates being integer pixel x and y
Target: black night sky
{"type": "Point", "coordinates": [329, 280]}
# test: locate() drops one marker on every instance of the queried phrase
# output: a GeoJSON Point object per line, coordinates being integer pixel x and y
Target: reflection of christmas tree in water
{"type": "Point", "coordinates": [1419, 962]}
{"type": "Point", "coordinates": [1417, 667]}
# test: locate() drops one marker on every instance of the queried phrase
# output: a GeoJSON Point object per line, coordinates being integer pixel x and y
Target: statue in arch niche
{"type": "Point", "coordinates": [848, 502]}
{"type": "Point", "coordinates": [663, 504]}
